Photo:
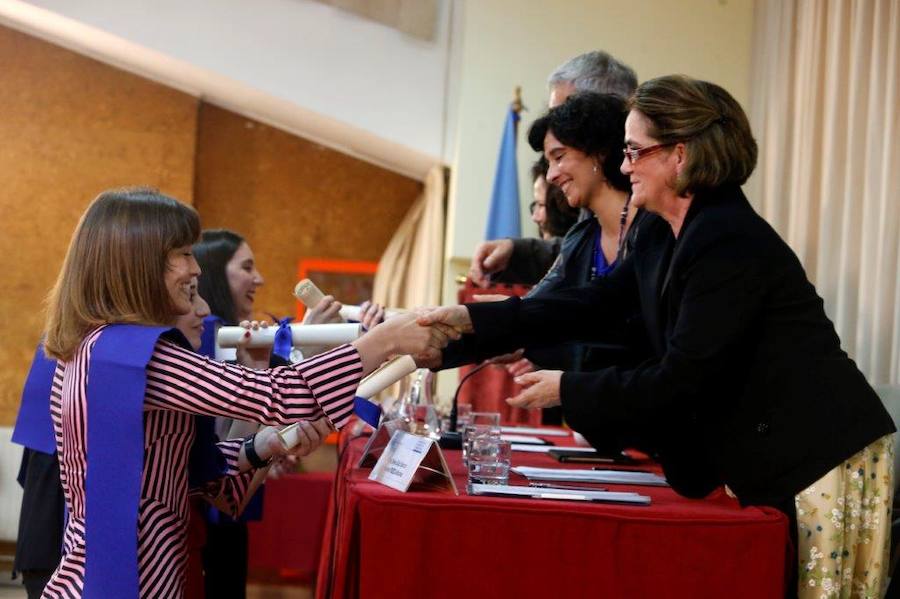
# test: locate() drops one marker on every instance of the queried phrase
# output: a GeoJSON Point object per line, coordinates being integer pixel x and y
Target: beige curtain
{"type": "Point", "coordinates": [826, 113]}
{"type": "Point", "coordinates": [409, 272]}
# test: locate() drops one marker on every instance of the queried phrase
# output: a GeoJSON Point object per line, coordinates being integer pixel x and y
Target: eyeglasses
{"type": "Point", "coordinates": [534, 206]}
{"type": "Point", "coordinates": [634, 154]}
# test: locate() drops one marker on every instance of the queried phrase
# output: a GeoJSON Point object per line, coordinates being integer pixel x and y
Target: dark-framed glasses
{"type": "Point", "coordinates": [534, 206]}
{"type": "Point", "coordinates": [634, 154]}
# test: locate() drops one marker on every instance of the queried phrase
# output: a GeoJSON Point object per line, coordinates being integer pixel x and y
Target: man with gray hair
{"type": "Point", "coordinates": [526, 259]}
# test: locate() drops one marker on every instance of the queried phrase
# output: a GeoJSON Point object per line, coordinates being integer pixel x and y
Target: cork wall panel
{"type": "Point", "coordinates": [292, 199]}
{"type": "Point", "coordinates": [70, 127]}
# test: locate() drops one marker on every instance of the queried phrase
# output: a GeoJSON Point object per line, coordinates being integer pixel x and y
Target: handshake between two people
{"type": "Point", "coordinates": [422, 333]}
{"type": "Point", "coordinates": [438, 326]}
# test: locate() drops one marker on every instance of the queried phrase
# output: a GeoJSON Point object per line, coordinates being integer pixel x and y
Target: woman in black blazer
{"type": "Point", "coordinates": [748, 386]}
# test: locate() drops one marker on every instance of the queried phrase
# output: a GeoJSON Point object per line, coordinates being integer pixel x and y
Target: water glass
{"type": "Point", "coordinates": [463, 414]}
{"type": "Point", "coordinates": [473, 431]}
{"type": "Point", "coordinates": [489, 460]}
{"type": "Point", "coordinates": [492, 418]}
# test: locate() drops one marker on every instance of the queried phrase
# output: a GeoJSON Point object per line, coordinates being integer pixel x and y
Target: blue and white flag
{"type": "Point", "coordinates": [503, 218]}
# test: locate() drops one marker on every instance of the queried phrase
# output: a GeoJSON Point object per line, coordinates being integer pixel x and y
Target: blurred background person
{"type": "Point", "coordinates": [549, 209]}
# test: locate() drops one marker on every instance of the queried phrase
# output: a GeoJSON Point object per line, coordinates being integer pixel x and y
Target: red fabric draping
{"type": "Point", "coordinates": [288, 539]}
{"type": "Point", "coordinates": [381, 542]}
{"type": "Point", "coordinates": [486, 390]}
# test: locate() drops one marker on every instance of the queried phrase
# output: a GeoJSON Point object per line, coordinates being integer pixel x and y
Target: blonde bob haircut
{"type": "Point", "coordinates": [708, 121]}
{"type": "Point", "coordinates": [115, 267]}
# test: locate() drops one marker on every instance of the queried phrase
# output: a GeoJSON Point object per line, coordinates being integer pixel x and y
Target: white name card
{"type": "Point", "coordinates": [407, 455]}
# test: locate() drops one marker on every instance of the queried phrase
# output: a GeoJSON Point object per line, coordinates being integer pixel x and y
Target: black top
{"type": "Point", "coordinates": [748, 384]}
{"type": "Point", "coordinates": [39, 542]}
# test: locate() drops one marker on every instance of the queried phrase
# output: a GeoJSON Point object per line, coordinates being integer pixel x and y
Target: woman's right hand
{"type": "Point", "coordinates": [401, 334]}
{"type": "Point", "coordinates": [409, 337]}
{"type": "Point", "coordinates": [325, 312]}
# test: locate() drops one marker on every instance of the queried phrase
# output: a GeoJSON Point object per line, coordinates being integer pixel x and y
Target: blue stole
{"type": "Point", "coordinates": [34, 427]}
{"type": "Point", "coordinates": [208, 338]}
{"type": "Point", "coordinates": [368, 411]}
{"type": "Point", "coordinates": [115, 443]}
{"type": "Point", "coordinates": [117, 381]}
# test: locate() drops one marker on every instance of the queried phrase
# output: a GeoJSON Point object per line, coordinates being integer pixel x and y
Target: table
{"type": "Point", "coordinates": [380, 542]}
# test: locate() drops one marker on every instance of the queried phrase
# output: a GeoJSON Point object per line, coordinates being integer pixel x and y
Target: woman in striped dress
{"type": "Point", "coordinates": [130, 261]}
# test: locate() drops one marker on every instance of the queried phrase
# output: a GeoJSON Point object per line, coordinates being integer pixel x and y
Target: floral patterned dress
{"type": "Point", "coordinates": [844, 526]}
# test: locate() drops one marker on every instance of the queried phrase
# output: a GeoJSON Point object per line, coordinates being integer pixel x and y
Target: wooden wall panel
{"type": "Point", "coordinates": [70, 127]}
{"type": "Point", "coordinates": [291, 199]}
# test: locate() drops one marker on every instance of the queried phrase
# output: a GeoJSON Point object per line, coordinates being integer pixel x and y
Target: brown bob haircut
{"type": "Point", "coordinates": [708, 121]}
{"type": "Point", "coordinates": [115, 267]}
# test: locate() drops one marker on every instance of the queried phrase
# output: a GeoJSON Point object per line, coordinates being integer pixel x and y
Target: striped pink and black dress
{"type": "Point", "coordinates": [180, 384]}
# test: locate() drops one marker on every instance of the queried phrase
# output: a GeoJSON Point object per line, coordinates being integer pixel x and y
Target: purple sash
{"type": "Point", "coordinates": [117, 380]}
{"type": "Point", "coordinates": [208, 338]}
{"type": "Point", "coordinates": [34, 427]}
{"type": "Point", "coordinates": [368, 411]}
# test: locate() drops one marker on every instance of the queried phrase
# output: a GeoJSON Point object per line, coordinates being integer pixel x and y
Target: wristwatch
{"type": "Point", "coordinates": [252, 456]}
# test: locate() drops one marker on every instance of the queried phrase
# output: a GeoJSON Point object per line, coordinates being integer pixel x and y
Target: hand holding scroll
{"type": "Point", "coordinates": [310, 434]}
{"type": "Point", "coordinates": [327, 310]}
{"type": "Point", "coordinates": [253, 357]}
{"type": "Point", "coordinates": [371, 314]}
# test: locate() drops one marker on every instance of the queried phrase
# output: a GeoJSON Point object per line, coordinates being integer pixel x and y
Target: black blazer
{"type": "Point", "coordinates": [748, 385]}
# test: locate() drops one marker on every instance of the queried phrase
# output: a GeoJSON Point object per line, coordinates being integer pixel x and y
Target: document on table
{"type": "Point", "coordinates": [564, 494]}
{"type": "Point", "coordinates": [535, 430]}
{"type": "Point", "coordinates": [524, 439]}
{"type": "Point", "coordinates": [621, 477]}
{"type": "Point", "coordinates": [546, 448]}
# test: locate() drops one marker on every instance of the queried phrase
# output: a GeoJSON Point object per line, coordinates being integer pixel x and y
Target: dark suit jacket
{"type": "Point", "coordinates": [748, 384]}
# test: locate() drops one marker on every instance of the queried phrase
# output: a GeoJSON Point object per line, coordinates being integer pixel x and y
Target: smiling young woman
{"type": "Point", "coordinates": [125, 477]}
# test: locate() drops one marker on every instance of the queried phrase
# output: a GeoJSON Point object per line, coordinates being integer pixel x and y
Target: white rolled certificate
{"type": "Point", "coordinates": [386, 376]}
{"type": "Point", "coordinates": [307, 292]}
{"type": "Point", "coordinates": [355, 313]}
{"type": "Point", "coordinates": [373, 384]}
{"type": "Point", "coordinates": [330, 335]}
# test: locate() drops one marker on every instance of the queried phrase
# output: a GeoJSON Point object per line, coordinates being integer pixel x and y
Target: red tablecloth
{"type": "Point", "coordinates": [288, 539]}
{"type": "Point", "coordinates": [381, 542]}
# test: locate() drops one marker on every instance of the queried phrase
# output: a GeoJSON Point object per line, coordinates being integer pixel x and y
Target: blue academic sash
{"type": "Point", "coordinates": [34, 427]}
{"type": "Point", "coordinates": [116, 385]}
{"type": "Point", "coordinates": [117, 381]}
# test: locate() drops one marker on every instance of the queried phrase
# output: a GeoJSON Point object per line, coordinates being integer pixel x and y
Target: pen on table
{"type": "Point", "coordinates": [566, 487]}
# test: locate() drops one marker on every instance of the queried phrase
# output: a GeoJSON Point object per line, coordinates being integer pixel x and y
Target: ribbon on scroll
{"type": "Point", "coordinates": [284, 339]}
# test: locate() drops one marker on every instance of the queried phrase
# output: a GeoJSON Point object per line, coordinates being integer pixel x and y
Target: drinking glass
{"type": "Point", "coordinates": [489, 460]}
{"type": "Point", "coordinates": [473, 431]}
{"type": "Point", "coordinates": [463, 414]}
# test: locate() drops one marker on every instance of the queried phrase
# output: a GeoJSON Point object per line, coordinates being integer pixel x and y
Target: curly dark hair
{"type": "Point", "coordinates": [591, 123]}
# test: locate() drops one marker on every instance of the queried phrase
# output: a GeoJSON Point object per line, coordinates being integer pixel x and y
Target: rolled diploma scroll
{"type": "Point", "coordinates": [373, 384]}
{"type": "Point", "coordinates": [303, 334]}
{"type": "Point", "coordinates": [307, 292]}
{"type": "Point", "coordinates": [355, 313]}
